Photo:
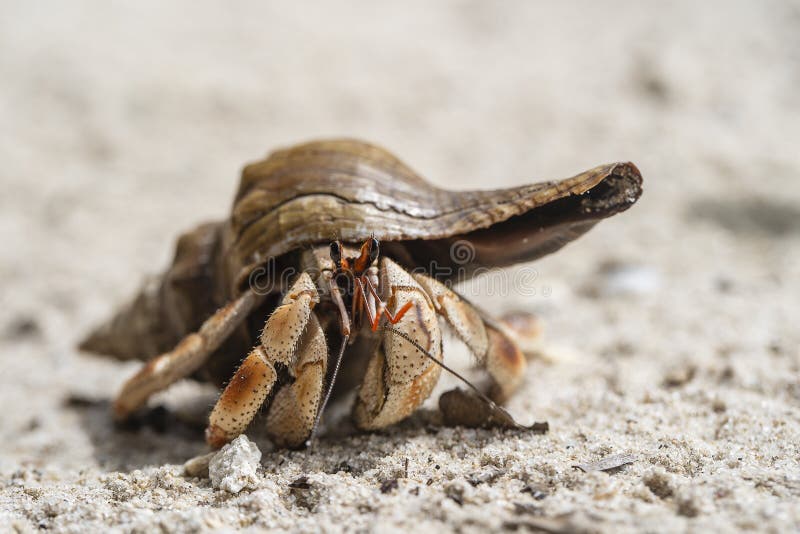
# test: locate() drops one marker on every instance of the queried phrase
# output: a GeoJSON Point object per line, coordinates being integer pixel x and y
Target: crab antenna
{"type": "Point", "coordinates": [492, 405]}
{"type": "Point", "coordinates": [327, 393]}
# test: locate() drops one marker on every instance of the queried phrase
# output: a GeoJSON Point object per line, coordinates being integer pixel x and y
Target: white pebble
{"type": "Point", "coordinates": [632, 280]}
{"type": "Point", "coordinates": [235, 466]}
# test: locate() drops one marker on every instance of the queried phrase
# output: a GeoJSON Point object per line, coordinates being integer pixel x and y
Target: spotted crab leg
{"type": "Point", "coordinates": [292, 413]}
{"type": "Point", "coordinates": [488, 341]}
{"type": "Point", "coordinates": [293, 338]}
{"type": "Point", "coordinates": [188, 356]}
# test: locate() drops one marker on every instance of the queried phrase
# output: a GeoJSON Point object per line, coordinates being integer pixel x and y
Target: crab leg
{"type": "Point", "coordinates": [375, 315]}
{"type": "Point", "coordinates": [364, 299]}
{"type": "Point", "coordinates": [400, 376]}
{"type": "Point", "coordinates": [283, 334]}
{"type": "Point", "coordinates": [492, 347]}
{"type": "Point", "coordinates": [294, 409]}
{"type": "Point", "coordinates": [185, 358]}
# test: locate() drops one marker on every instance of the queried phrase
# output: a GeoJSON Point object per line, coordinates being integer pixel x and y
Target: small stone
{"type": "Point", "coordinates": [235, 466]}
{"type": "Point", "coordinates": [616, 278]}
{"type": "Point", "coordinates": [679, 376]}
{"type": "Point", "coordinates": [608, 464]}
{"type": "Point", "coordinates": [198, 466]}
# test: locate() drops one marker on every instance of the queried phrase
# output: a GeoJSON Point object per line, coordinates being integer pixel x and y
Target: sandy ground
{"type": "Point", "coordinates": [672, 328]}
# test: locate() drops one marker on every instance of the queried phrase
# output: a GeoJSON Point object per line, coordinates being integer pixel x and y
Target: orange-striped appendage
{"type": "Point", "coordinates": [253, 381]}
{"type": "Point", "coordinates": [241, 399]}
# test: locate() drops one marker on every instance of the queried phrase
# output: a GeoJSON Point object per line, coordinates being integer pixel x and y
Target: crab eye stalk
{"type": "Point", "coordinates": [336, 254]}
{"type": "Point", "coordinates": [374, 250]}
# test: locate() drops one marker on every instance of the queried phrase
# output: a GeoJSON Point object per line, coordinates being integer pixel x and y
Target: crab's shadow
{"type": "Point", "coordinates": [156, 437]}
{"type": "Point", "coordinates": [165, 435]}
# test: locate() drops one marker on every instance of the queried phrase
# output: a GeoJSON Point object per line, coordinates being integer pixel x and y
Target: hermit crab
{"type": "Point", "coordinates": [338, 256]}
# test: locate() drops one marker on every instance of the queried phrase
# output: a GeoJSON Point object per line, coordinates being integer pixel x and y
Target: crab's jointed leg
{"type": "Point", "coordinates": [399, 376]}
{"type": "Point", "coordinates": [283, 334]}
{"type": "Point", "coordinates": [293, 411]}
{"type": "Point", "coordinates": [381, 310]}
{"type": "Point", "coordinates": [188, 356]}
{"type": "Point", "coordinates": [493, 349]}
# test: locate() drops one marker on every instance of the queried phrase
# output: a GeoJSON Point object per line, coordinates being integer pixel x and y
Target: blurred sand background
{"type": "Point", "coordinates": [672, 328]}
